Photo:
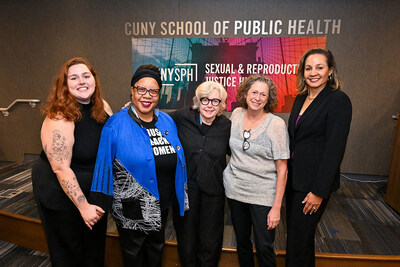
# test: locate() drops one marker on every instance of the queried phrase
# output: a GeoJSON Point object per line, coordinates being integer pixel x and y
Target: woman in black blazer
{"type": "Point", "coordinates": [318, 128]}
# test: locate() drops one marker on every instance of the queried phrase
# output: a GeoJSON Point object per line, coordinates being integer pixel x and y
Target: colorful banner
{"type": "Point", "coordinates": [187, 62]}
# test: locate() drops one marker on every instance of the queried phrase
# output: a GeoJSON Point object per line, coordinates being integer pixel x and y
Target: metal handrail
{"type": "Point", "coordinates": [32, 103]}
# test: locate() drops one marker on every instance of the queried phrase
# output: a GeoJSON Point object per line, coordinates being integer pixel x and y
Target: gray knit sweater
{"type": "Point", "coordinates": [250, 176]}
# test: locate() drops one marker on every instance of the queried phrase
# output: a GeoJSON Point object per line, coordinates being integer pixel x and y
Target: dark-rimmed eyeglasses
{"type": "Point", "coordinates": [143, 90]}
{"type": "Point", "coordinates": [215, 101]}
{"type": "Point", "coordinates": [246, 136]}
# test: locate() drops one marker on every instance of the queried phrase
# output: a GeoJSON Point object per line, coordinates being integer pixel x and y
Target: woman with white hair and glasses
{"type": "Point", "coordinates": [256, 175]}
{"type": "Point", "coordinates": [204, 134]}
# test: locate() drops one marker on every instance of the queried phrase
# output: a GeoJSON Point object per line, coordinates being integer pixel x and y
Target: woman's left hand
{"type": "Point", "coordinates": [274, 216]}
{"type": "Point", "coordinates": [91, 214]}
{"type": "Point", "coordinates": [312, 203]}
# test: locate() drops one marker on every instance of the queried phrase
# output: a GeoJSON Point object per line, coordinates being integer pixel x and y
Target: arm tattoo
{"type": "Point", "coordinates": [81, 199]}
{"type": "Point", "coordinates": [71, 191]}
{"type": "Point", "coordinates": [58, 150]}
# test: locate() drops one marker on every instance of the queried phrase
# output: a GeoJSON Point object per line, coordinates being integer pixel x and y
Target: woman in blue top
{"type": "Point", "coordinates": [140, 168]}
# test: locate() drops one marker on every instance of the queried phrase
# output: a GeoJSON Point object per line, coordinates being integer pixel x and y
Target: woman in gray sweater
{"type": "Point", "coordinates": [256, 175]}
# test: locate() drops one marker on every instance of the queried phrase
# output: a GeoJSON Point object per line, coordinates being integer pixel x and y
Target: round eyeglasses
{"type": "Point", "coordinates": [215, 101]}
{"type": "Point", "coordinates": [143, 90]}
{"type": "Point", "coordinates": [246, 136]}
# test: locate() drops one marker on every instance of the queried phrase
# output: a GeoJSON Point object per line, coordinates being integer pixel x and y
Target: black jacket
{"type": "Point", "coordinates": [318, 142]}
{"type": "Point", "coordinates": [205, 149]}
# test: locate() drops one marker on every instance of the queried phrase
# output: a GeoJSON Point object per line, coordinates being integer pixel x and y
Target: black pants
{"type": "Point", "coordinates": [244, 217]}
{"type": "Point", "coordinates": [200, 232]}
{"type": "Point", "coordinates": [142, 249]}
{"type": "Point", "coordinates": [70, 241]}
{"type": "Point", "coordinates": [300, 247]}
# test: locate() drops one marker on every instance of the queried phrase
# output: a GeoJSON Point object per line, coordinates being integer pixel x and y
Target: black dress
{"type": "Point", "coordinates": [70, 241]}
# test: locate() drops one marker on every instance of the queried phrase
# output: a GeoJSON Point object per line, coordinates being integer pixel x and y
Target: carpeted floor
{"type": "Point", "coordinates": [356, 221]}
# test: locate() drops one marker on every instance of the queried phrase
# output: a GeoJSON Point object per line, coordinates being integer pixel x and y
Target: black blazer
{"type": "Point", "coordinates": [205, 149]}
{"type": "Point", "coordinates": [318, 142]}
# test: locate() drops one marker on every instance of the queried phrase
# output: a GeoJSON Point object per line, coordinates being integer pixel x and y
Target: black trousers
{"type": "Point", "coordinates": [245, 217]}
{"type": "Point", "coordinates": [142, 249]}
{"type": "Point", "coordinates": [200, 232]}
{"type": "Point", "coordinates": [300, 246]}
{"type": "Point", "coordinates": [70, 241]}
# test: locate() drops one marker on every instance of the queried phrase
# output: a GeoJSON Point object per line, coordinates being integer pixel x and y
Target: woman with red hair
{"type": "Point", "coordinates": [75, 114]}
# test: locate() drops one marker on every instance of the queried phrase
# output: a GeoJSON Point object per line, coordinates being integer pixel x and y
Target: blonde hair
{"type": "Point", "coordinates": [205, 89]}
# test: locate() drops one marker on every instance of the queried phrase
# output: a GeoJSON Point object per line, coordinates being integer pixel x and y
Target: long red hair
{"type": "Point", "coordinates": [60, 103]}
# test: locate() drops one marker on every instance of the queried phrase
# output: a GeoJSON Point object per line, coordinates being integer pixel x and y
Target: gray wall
{"type": "Point", "coordinates": [37, 37]}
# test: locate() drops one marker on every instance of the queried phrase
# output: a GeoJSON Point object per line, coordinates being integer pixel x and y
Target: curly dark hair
{"type": "Point", "coordinates": [246, 85]}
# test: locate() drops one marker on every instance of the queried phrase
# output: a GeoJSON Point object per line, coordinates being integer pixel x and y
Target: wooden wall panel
{"type": "Point", "coordinates": [393, 187]}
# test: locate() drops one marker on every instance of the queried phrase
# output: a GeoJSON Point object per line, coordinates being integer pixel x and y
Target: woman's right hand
{"type": "Point", "coordinates": [91, 214]}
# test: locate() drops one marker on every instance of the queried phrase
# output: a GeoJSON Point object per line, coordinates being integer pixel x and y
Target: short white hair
{"type": "Point", "coordinates": [205, 89]}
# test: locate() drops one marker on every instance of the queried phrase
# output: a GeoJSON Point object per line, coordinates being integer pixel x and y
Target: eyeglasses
{"type": "Point", "coordinates": [143, 90]}
{"type": "Point", "coordinates": [215, 101]}
{"type": "Point", "coordinates": [246, 144]}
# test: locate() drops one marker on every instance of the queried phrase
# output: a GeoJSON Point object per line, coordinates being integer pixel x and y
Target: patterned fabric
{"type": "Point", "coordinates": [127, 188]}
{"type": "Point", "coordinates": [123, 139]}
